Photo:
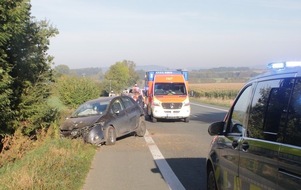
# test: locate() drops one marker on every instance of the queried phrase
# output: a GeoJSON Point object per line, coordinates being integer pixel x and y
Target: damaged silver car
{"type": "Point", "coordinates": [103, 120]}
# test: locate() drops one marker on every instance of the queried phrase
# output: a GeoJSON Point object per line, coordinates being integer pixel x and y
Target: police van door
{"type": "Point", "coordinates": [258, 164]}
{"type": "Point", "coordinates": [290, 151]}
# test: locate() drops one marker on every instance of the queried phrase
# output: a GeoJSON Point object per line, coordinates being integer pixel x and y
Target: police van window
{"type": "Point", "coordinates": [293, 128]}
{"type": "Point", "coordinates": [239, 113]}
{"type": "Point", "coordinates": [269, 109]}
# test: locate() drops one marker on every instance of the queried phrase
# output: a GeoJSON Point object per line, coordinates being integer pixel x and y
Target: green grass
{"type": "Point", "coordinates": [55, 164]}
{"type": "Point", "coordinates": [213, 101]}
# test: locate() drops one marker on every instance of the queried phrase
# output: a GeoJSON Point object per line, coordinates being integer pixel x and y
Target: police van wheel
{"type": "Point", "coordinates": [186, 120]}
{"type": "Point", "coordinates": [211, 184]}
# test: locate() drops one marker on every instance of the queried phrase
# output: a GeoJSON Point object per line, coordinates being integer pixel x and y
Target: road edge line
{"type": "Point", "coordinates": [169, 176]}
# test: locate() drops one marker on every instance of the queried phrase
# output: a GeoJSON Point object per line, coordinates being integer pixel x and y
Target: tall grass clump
{"type": "Point", "coordinates": [58, 163]}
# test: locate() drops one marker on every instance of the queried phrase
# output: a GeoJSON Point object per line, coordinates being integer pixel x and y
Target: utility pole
{"type": "Point", "coordinates": [110, 87]}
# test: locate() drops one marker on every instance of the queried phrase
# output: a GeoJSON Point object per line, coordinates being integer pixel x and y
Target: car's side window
{"type": "Point", "coordinates": [292, 130]}
{"type": "Point", "coordinates": [239, 113]}
{"type": "Point", "coordinates": [269, 109]}
{"type": "Point", "coordinates": [117, 106]}
{"type": "Point", "coordinates": [127, 102]}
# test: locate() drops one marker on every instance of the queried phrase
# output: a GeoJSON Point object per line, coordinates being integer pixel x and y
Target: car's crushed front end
{"type": "Point", "coordinates": [94, 135]}
{"type": "Point", "coordinates": [91, 134]}
{"type": "Point", "coordinates": [87, 128]}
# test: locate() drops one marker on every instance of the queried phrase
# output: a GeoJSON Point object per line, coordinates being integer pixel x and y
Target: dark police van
{"type": "Point", "coordinates": [258, 145]}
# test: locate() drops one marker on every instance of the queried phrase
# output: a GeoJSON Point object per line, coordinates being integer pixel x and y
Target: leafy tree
{"type": "Point", "coordinates": [61, 70]}
{"type": "Point", "coordinates": [5, 93]}
{"type": "Point", "coordinates": [134, 76]}
{"type": "Point", "coordinates": [25, 67]}
{"type": "Point", "coordinates": [120, 75]}
{"type": "Point", "coordinates": [5, 68]}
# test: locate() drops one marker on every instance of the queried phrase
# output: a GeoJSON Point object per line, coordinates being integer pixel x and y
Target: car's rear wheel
{"type": "Point", "coordinates": [140, 131]}
{"type": "Point", "coordinates": [211, 183]}
{"type": "Point", "coordinates": [186, 120]}
{"type": "Point", "coordinates": [111, 136]}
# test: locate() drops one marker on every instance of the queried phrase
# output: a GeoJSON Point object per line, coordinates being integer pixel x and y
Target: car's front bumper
{"type": "Point", "coordinates": [90, 134]}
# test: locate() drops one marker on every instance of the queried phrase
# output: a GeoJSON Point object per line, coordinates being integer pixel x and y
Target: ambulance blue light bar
{"type": "Point", "coordinates": [151, 74]}
{"type": "Point", "coordinates": [283, 65]}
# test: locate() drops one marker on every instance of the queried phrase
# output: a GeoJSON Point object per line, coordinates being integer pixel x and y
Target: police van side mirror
{"type": "Point", "coordinates": [216, 128]}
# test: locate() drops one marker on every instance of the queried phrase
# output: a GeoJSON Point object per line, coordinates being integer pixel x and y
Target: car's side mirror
{"type": "Point", "coordinates": [216, 128]}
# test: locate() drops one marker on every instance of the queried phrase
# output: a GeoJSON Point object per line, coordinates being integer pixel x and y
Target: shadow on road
{"type": "Point", "coordinates": [190, 171]}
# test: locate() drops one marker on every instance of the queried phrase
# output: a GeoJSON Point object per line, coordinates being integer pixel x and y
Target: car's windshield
{"type": "Point", "coordinates": [91, 108]}
{"type": "Point", "coordinates": [170, 89]}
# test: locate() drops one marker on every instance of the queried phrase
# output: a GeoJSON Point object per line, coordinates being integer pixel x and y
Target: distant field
{"type": "Point", "coordinates": [215, 93]}
{"type": "Point", "coordinates": [215, 86]}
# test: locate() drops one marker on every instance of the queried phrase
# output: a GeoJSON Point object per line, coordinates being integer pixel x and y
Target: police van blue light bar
{"type": "Point", "coordinates": [282, 65]}
{"type": "Point", "coordinates": [293, 63]}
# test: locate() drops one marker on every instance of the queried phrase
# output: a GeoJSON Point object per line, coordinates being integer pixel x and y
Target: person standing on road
{"type": "Point", "coordinates": [136, 89]}
{"type": "Point", "coordinates": [137, 96]}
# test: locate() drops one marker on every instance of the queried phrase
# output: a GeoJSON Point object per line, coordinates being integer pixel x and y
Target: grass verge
{"type": "Point", "coordinates": [214, 101]}
{"type": "Point", "coordinates": [57, 163]}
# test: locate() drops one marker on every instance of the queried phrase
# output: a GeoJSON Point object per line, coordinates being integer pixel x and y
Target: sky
{"type": "Point", "coordinates": [179, 34]}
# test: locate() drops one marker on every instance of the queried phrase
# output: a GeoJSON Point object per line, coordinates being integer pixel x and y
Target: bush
{"type": "Point", "coordinates": [73, 91]}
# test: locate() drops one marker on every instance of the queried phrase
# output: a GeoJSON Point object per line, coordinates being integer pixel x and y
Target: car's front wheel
{"type": "Point", "coordinates": [141, 129]}
{"type": "Point", "coordinates": [111, 136]}
{"type": "Point", "coordinates": [211, 183]}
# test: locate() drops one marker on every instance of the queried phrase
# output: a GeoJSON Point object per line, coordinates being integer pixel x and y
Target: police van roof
{"type": "Point", "coordinates": [285, 68]}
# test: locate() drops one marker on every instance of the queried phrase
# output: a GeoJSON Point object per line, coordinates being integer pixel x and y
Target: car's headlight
{"type": "Point", "coordinates": [96, 138]}
{"type": "Point", "coordinates": [75, 133]}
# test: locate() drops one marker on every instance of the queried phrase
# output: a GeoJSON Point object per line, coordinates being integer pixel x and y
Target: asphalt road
{"type": "Point", "coordinates": [171, 156]}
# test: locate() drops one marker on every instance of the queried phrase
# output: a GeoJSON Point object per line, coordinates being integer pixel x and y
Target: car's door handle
{"type": "Point", "coordinates": [245, 146]}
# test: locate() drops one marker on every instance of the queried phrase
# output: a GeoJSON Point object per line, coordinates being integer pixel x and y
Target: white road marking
{"type": "Point", "coordinates": [169, 176]}
{"type": "Point", "coordinates": [171, 179]}
{"type": "Point", "coordinates": [209, 107]}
